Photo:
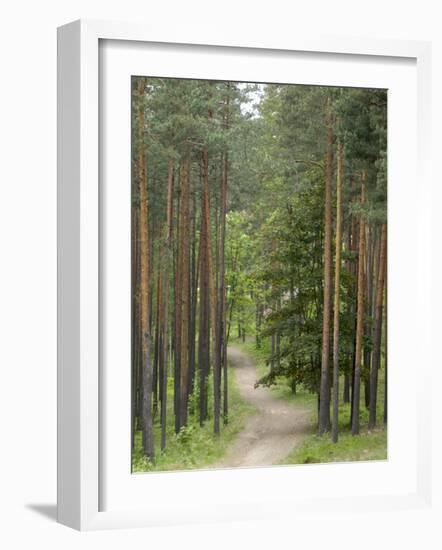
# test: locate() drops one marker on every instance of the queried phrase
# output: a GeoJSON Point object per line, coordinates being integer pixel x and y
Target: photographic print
{"type": "Point", "coordinates": [259, 274]}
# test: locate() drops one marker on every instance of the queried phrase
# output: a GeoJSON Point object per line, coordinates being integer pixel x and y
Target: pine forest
{"type": "Point", "coordinates": [259, 274]}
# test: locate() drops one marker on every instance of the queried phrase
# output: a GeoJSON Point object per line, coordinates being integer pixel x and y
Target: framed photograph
{"type": "Point", "coordinates": [234, 240]}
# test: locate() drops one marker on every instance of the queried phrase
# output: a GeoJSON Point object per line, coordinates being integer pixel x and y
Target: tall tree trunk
{"type": "Point", "coordinates": [166, 286]}
{"type": "Point", "coordinates": [194, 274]}
{"type": "Point", "coordinates": [153, 236]}
{"type": "Point", "coordinates": [158, 329]}
{"type": "Point", "coordinates": [346, 392]}
{"type": "Point", "coordinates": [355, 247]}
{"type": "Point", "coordinates": [184, 255]}
{"type": "Point", "coordinates": [135, 318]}
{"type": "Point", "coordinates": [178, 314]}
{"type": "Point", "coordinates": [205, 295]}
{"type": "Point", "coordinates": [146, 379]}
{"type": "Point", "coordinates": [378, 329]}
{"type": "Point", "coordinates": [222, 290]}
{"type": "Point", "coordinates": [359, 316]}
{"type": "Point", "coordinates": [339, 178]}
{"type": "Point", "coordinates": [258, 324]}
{"type": "Point", "coordinates": [324, 406]}
{"type": "Point", "coordinates": [369, 255]}
{"type": "Point", "coordinates": [216, 341]}
{"type": "Point", "coordinates": [348, 365]}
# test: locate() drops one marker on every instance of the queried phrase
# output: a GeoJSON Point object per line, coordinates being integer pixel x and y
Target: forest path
{"type": "Point", "coordinates": [270, 434]}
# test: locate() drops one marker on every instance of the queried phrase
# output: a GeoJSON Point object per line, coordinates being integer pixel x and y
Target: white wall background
{"type": "Point", "coordinates": [28, 262]}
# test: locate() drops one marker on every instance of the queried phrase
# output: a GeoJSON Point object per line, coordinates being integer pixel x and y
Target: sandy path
{"type": "Point", "coordinates": [270, 434]}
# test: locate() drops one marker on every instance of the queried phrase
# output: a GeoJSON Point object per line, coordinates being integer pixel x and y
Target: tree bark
{"type": "Point", "coordinates": [346, 392]}
{"type": "Point", "coordinates": [355, 248]}
{"type": "Point", "coordinates": [158, 329]}
{"type": "Point", "coordinates": [135, 318]}
{"type": "Point", "coordinates": [184, 255]}
{"type": "Point", "coordinates": [194, 275]}
{"type": "Point", "coordinates": [146, 378]}
{"type": "Point", "coordinates": [349, 267]}
{"type": "Point", "coordinates": [166, 286]}
{"type": "Point", "coordinates": [222, 291]}
{"type": "Point", "coordinates": [324, 406]}
{"type": "Point", "coordinates": [359, 316]}
{"type": "Point", "coordinates": [378, 329]}
{"type": "Point", "coordinates": [339, 178]}
{"type": "Point", "coordinates": [258, 324]}
{"type": "Point", "coordinates": [177, 314]}
{"type": "Point", "coordinates": [204, 303]}
{"type": "Point", "coordinates": [369, 255]}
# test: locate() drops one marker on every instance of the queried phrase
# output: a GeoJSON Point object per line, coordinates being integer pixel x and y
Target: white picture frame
{"type": "Point", "coordinates": [79, 438]}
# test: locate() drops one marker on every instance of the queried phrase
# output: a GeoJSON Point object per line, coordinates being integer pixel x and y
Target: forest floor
{"type": "Point", "coordinates": [275, 430]}
{"type": "Point", "coordinates": [195, 447]}
{"type": "Point", "coordinates": [369, 445]}
{"type": "Point", "coordinates": [267, 426]}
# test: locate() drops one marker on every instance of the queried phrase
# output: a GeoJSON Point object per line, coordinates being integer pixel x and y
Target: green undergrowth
{"type": "Point", "coordinates": [368, 445]}
{"type": "Point", "coordinates": [195, 447]}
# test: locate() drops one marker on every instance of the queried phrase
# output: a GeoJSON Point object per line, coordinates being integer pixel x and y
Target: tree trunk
{"type": "Point", "coordinates": [158, 329]}
{"type": "Point", "coordinates": [166, 286]}
{"type": "Point", "coordinates": [339, 178]}
{"type": "Point", "coordinates": [359, 316]}
{"type": "Point", "coordinates": [346, 393]}
{"type": "Point", "coordinates": [258, 324]}
{"type": "Point", "coordinates": [194, 275]}
{"type": "Point", "coordinates": [217, 367]}
{"type": "Point", "coordinates": [355, 248]}
{"type": "Point", "coordinates": [222, 287]}
{"type": "Point", "coordinates": [177, 315]}
{"type": "Point", "coordinates": [378, 329]}
{"type": "Point", "coordinates": [348, 363]}
{"type": "Point", "coordinates": [369, 254]}
{"type": "Point", "coordinates": [324, 409]}
{"type": "Point", "coordinates": [146, 378]}
{"type": "Point", "coordinates": [135, 318]}
{"type": "Point", "coordinates": [204, 304]}
{"type": "Point", "coordinates": [184, 262]}
{"type": "Point", "coordinates": [278, 349]}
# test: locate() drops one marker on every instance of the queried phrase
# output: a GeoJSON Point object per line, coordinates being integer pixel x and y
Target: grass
{"type": "Point", "coordinates": [195, 447]}
{"type": "Point", "coordinates": [368, 445]}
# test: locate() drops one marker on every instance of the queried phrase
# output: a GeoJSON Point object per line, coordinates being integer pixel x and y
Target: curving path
{"type": "Point", "coordinates": [270, 434]}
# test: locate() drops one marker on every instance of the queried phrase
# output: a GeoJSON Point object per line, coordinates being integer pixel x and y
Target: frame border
{"type": "Point", "coordinates": [78, 259]}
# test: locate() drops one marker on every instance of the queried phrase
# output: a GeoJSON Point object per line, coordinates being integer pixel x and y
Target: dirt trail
{"type": "Point", "coordinates": [270, 434]}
